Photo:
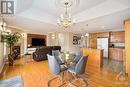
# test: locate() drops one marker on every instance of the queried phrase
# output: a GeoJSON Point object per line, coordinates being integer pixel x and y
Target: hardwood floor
{"type": "Point", "coordinates": [37, 74]}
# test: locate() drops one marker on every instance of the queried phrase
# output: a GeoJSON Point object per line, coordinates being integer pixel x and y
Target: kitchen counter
{"type": "Point", "coordinates": [95, 57]}
{"type": "Point", "coordinates": [116, 53]}
{"type": "Point", "coordinates": [118, 47]}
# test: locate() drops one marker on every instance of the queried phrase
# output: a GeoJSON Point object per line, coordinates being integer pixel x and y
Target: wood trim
{"type": "Point", "coordinates": [126, 20]}
{"type": "Point", "coordinates": [127, 46]}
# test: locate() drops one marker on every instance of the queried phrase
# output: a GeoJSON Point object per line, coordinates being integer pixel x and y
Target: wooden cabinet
{"type": "Point", "coordinates": [93, 40]}
{"type": "Point", "coordinates": [127, 45]}
{"type": "Point", "coordinates": [94, 36]}
{"type": "Point", "coordinates": [116, 53]}
{"type": "Point", "coordinates": [114, 37]}
{"type": "Point", "coordinates": [103, 34]}
{"type": "Point", "coordinates": [117, 37]}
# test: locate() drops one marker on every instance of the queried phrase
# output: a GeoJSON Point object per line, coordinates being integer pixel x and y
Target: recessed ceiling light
{"type": "Point", "coordinates": [103, 27]}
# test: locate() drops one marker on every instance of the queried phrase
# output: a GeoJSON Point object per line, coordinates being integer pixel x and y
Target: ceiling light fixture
{"type": "Point", "coordinates": [68, 3]}
{"type": "Point", "coordinates": [103, 27]}
{"type": "Point", "coordinates": [2, 25]}
{"type": "Point", "coordinates": [65, 20]}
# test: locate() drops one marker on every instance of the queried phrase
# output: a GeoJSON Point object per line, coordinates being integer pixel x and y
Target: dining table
{"type": "Point", "coordinates": [68, 59]}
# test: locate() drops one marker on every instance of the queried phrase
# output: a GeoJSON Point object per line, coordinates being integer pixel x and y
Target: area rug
{"type": "Point", "coordinates": [12, 82]}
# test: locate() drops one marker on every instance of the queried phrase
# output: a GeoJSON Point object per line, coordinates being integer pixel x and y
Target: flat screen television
{"type": "Point", "coordinates": [38, 42]}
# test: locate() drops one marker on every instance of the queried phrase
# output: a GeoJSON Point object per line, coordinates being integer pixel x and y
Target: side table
{"type": "Point", "coordinates": [28, 57]}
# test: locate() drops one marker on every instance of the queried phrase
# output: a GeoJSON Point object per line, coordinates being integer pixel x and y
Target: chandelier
{"type": "Point", "coordinates": [65, 20]}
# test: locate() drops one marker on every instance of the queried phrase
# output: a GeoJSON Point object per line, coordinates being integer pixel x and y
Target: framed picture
{"type": "Point", "coordinates": [3, 36]}
{"type": "Point", "coordinates": [76, 40]}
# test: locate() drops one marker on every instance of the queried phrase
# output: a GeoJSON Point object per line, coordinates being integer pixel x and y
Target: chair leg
{"type": "Point", "coordinates": [76, 77]}
{"type": "Point", "coordinates": [62, 77]}
{"type": "Point", "coordinates": [51, 80]}
{"type": "Point", "coordinates": [83, 81]}
{"type": "Point", "coordinates": [70, 82]}
{"type": "Point", "coordinates": [61, 84]}
{"type": "Point", "coordinates": [56, 78]}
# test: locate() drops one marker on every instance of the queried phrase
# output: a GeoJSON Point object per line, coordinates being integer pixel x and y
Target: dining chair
{"type": "Point", "coordinates": [56, 68]}
{"type": "Point", "coordinates": [56, 53]}
{"type": "Point", "coordinates": [79, 69]}
{"type": "Point", "coordinates": [78, 55]}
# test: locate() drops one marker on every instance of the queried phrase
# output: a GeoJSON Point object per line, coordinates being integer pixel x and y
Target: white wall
{"type": "Point", "coordinates": [1, 56]}
{"type": "Point", "coordinates": [24, 44]}
{"type": "Point", "coordinates": [67, 43]}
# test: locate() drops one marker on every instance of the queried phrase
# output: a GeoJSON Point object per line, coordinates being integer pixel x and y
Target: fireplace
{"type": "Point", "coordinates": [16, 49]}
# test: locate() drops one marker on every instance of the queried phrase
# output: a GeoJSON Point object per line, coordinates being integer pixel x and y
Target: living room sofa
{"type": "Point", "coordinates": [41, 52]}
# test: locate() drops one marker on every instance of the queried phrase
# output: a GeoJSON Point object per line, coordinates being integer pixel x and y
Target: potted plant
{"type": "Point", "coordinates": [11, 39]}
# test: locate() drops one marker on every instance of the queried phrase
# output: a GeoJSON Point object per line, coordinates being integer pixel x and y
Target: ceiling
{"type": "Point", "coordinates": [40, 16]}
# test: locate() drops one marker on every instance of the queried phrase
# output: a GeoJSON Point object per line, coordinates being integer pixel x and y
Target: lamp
{"type": "Point", "coordinates": [3, 30]}
{"type": "Point", "coordinates": [2, 25]}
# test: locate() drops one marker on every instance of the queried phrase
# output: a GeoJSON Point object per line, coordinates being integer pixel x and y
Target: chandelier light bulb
{"type": "Point", "coordinates": [4, 28]}
{"type": "Point", "coordinates": [87, 34]}
{"type": "Point", "coordinates": [82, 36]}
{"type": "Point", "coordinates": [1, 23]}
{"type": "Point", "coordinates": [69, 15]}
{"type": "Point", "coordinates": [74, 21]}
{"type": "Point", "coordinates": [61, 16]}
{"type": "Point", "coordinates": [58, 22]}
